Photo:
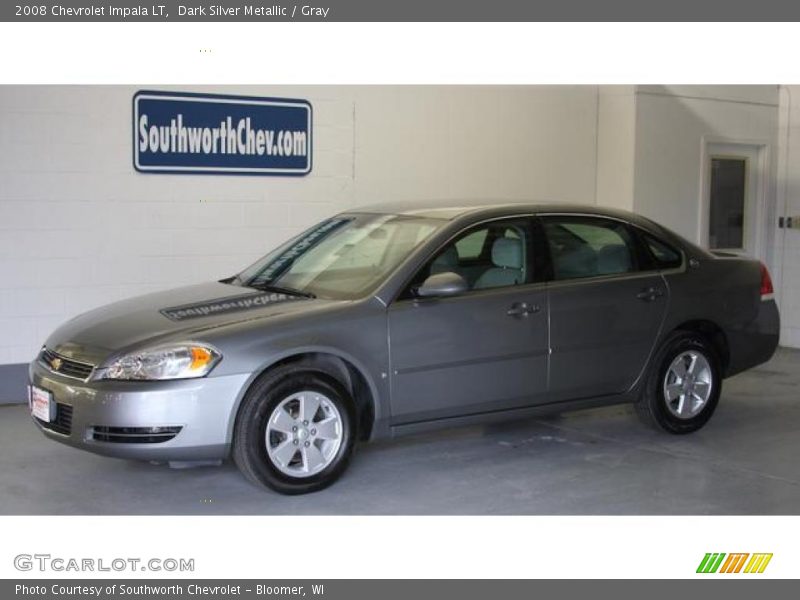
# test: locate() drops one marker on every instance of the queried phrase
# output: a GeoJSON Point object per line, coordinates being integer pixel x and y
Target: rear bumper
{"type": "Point", "coordinates": [755, 343]}
{"type": "Point", "coordinates": [192, 417]}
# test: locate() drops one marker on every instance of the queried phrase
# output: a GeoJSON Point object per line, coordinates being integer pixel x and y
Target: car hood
{"type": "Point", "coordinates": [182, 312]}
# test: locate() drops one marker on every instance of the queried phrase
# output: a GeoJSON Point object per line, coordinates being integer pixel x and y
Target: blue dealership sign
{"type": "Point", "coordinates": [176, 132]}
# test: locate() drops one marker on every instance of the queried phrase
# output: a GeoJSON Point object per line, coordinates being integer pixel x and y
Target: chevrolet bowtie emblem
{"type": "Point", "coordinates": [56, 363]}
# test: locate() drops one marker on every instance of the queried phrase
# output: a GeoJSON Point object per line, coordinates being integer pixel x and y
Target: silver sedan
{"type": "Point", "coordinates": [402, 318]}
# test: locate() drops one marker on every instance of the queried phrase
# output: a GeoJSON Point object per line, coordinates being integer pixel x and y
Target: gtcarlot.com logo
{"type": "Point", "coordinates": [737, 562]}
{"type": "Point", "coordinates": [47, 562]}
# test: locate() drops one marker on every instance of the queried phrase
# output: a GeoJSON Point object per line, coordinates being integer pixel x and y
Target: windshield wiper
{"type": "Point", "coordinates": [266, 287]}
{"type": "Point", "coordinates": [232, 280]}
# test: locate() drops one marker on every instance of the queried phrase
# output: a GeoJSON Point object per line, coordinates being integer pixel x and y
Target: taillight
{"type": "Point", "coordinates": [766, 283]}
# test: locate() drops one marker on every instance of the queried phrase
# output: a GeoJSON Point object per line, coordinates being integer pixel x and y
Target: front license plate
{"type": "Point", "coordinates": [41, 403]}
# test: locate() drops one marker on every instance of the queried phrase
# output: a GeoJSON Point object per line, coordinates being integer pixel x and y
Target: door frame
{"type": "Point", "coordinates": [760, 202]}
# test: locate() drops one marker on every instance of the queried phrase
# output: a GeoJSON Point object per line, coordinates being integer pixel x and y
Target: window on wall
{"type": "Point", "coordinates": [727, 203]}
{"type": "Point", "coordinates": [589, 247]}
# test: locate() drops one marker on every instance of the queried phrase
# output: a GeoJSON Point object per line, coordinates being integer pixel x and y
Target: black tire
{"type": "Point", "coordinates": [249, 437]}
{"type": "Point", "coordinates": [652, 405]}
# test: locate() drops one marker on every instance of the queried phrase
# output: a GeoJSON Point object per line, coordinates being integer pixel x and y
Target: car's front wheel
{"type": "Point", "coordinates": [295, 431]}
{"type": "Point", "coordinates": [683, 385]}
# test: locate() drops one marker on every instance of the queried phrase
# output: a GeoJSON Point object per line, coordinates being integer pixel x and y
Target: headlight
{"type": "Point", "coordinates": [181, 361]}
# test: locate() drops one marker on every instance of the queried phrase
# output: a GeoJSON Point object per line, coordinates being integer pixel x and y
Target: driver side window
{"type": "Point", "coordinates": [491, 255]}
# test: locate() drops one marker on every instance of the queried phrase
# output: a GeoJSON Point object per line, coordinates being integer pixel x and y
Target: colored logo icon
{"type": "Point", "coordinates": [741, 562]}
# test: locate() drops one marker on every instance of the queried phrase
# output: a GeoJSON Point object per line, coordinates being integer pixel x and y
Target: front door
{"type": "Point", "coordinates": [483, 350]}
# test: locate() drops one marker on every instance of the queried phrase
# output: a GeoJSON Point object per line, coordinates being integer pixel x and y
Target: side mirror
{"type": "Point", "coordinates": [443, 284]}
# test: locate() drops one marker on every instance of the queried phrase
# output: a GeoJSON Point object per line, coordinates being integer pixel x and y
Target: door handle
{"type": "Point", "coordinates": [522, 309]}
{"type": "Point", "coordinates": [650, 294]}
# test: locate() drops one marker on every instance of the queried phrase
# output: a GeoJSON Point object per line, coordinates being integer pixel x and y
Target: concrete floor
{"type": "Point", "coordinates": [591, 462]}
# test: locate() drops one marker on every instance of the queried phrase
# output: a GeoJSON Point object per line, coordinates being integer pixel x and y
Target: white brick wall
{"type": "Point", "coordinates": [787, 241]}
{"type": "Point", "coordinates": [672, 125]}
{"type": "Point", "coordinates": [80, 228]}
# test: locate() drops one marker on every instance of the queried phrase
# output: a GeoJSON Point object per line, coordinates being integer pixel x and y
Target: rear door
{"type": "Point", "coordinates": [606, 306]}
{"type": "Point", "coordinates": [484, 350]}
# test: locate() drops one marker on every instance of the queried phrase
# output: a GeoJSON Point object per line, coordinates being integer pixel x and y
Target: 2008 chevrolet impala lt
{"type": "Point", "coordinates": [401, 318]}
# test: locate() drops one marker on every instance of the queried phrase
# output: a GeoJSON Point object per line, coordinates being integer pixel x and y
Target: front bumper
{"type": "Point", "coordinates": [200, 410]}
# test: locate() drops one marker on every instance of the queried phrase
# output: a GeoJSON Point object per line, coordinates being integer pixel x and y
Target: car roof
{"type": "Point", "coordinates": [457, 208]}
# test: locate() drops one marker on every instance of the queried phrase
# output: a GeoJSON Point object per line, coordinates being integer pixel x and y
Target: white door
{"type": "Point", "coordinates": [731, 219]}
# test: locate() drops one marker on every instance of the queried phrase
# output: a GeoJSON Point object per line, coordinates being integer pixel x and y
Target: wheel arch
{"type": "Point", "coordinates": [715, 336]}
{"type": "Point", "coordinates": [345, 369]}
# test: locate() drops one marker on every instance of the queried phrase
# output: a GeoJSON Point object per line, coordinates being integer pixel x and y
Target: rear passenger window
{"type": "Point", "coordinates": [665, 256]}
{"type": "Point", "coordinates": [589, 247]}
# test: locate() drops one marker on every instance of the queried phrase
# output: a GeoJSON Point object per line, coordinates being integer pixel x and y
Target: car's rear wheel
{"type": "Point", "coordinates": [295, 431]}
{"type": "Point", "coordinates": [683, 386]}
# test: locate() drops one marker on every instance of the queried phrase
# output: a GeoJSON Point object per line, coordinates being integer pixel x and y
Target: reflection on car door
{"type": "Point", "coordinates": [484, 350]}
{"type": "Point", "coordinates": [605, 312]}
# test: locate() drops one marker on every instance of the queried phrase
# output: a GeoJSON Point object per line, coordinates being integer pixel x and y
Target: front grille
{"type": "Point", "coordinates": [134, 435]}
{"type": "Point", "coordinates": [62, 423]}
{"type": "Point", "coordinates": [65, 366]}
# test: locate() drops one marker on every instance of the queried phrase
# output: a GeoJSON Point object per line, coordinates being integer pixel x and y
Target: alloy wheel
{"type": "Point", "coordinates": [688, 384]}
{"type": "Point", "coordinates": [304, 434]}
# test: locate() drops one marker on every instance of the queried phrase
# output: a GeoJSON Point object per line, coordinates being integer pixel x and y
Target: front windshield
{"type": "Point", "coordinates": [344, 257]}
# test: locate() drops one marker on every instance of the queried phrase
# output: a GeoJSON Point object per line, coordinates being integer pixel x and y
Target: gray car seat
{"type": "Point", "coordinates": [508, 265]}
{"type": "Point", "coordinates": [613, 258]}
{"type": "Point", "coordinates": [579, 262]}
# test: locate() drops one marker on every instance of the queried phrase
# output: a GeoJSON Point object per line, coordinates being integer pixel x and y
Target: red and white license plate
{"type": "Point", "coordinates": [41, 403]}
